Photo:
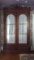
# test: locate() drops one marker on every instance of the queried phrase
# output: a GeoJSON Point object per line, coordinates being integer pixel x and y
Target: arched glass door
{"type": "Point", "coordinates": [22, 29]}
{"type": "Point", "coordinates": [10, 29]}
{"type": "Point", "coordinates": [17, 30]}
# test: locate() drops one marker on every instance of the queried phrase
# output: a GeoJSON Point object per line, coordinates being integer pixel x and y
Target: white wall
{"type": "Point", "coordinates": [32, 29]}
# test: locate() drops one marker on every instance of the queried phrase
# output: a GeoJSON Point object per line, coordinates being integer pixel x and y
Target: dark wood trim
{"type": "Point", "coordinates": [18, 48]}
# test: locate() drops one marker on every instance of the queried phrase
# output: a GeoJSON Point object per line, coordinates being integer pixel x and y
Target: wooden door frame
{"type": "Point", "coordinates": [14, 10]}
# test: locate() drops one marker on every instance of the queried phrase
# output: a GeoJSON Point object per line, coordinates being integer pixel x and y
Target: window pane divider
{"type": "Point", "coordinates": [10, 24]}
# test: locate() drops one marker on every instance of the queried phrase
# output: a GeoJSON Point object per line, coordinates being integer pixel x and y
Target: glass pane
{"type": "Point", "coordinates": [11, 29]}
{"type": "Point", "coordinates": [10, 38]}
{"type": "Point", "coordinates": [22, 38]}
{"type": "Point", "coordinates": [10, 19]}
{"type": "Point", "coordinates": [22, 18]}
{"type": "Point", "coordinates": [22, 29]}
{"type": "Point", "coordinates": [32, 32]}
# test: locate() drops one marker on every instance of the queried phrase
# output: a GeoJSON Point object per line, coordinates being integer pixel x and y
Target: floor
{"type": "Point", "coordinates": [16, 56]}
{"type": "Point", "coordinates": [9, 56]}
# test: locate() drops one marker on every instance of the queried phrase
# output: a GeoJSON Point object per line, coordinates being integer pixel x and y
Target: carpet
{"type": "Point", "coordinates": [26, 56]}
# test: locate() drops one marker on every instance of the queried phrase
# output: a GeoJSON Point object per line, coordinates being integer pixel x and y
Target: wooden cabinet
{"type": "Point", "coordinates": [17, 29]}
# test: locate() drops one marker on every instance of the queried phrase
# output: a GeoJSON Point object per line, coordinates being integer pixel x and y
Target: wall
{"type": "Point", "coordinates": [32, 29]}
{"type": "Point", "coordinates": [1, 29]}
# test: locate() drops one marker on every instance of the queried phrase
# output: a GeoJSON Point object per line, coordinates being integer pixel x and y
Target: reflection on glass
{"type": "Point", "coordinates": [10, 19]}
{"type": "Point", "coordinates": [10, 38]}
{"type": "Point", "coordinates": [11, 29]}
{"type": "Point", "coordinates": [22, 29]}
{"type": "Point", "coordinates": [10, 26]}
{"type": "Point", "coordinates": [22, 38]}
{"type": "Point", "coordinates": [22, 19]}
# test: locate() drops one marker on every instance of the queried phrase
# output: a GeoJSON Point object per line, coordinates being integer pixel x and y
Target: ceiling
{"type": "Point", "coordinates": [26, 3]}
